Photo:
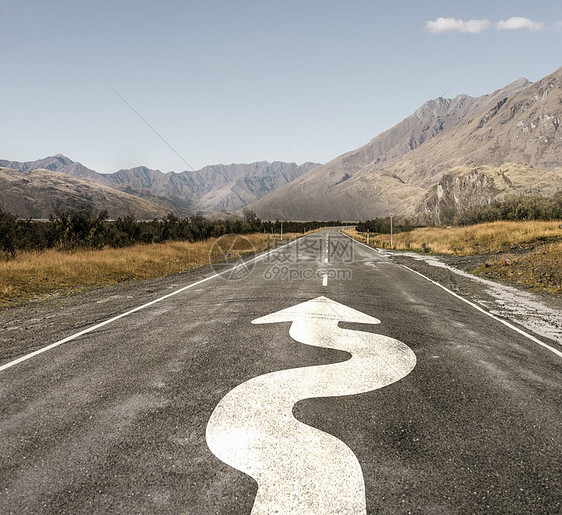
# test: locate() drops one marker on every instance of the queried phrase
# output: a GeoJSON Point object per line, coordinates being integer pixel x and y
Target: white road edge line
{"type": "Point", "coordinates": [475, 306]}
{"type": "Point", "coordinates": [134, 310]}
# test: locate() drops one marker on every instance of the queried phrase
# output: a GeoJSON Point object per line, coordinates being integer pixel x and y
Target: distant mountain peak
{"type": "Point", "coordinates": [440, 106]}
{"type": "Point", "coordinates": [523, 81]}
{"type": "Point", "coordinates": [60, 158]}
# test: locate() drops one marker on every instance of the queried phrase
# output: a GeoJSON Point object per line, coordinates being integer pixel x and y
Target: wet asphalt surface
{"type": "Point", "coordinates": [114, 421]}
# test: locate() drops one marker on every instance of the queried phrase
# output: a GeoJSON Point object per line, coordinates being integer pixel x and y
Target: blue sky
{"type": "Point", "coordinates": [239, 81]}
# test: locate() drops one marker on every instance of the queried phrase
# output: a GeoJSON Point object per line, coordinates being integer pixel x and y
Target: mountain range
{"type": "Point", "coordinates": [213, 189]}
{"type": "Point", "coordinates": [449, 154]}
{"type": "Point", "coordinates": [37, 193]}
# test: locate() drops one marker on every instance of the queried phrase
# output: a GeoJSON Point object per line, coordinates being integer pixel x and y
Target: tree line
{"type": "Point", "coordinates": [72, 229]}
{"type": "Point", "coordinates": [382, 225]}
{"type": "Point", "coordinates": [511, 208]}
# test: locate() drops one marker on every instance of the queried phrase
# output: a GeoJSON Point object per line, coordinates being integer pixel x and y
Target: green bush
{"type": "Point", "coordinates": [514, 208]}
{"type": "Point", "coordinates": [382, 225]}
{"type": "Point", "coordinates": [71, 229]}
{"type": "Point", "coordinates": [8, 240]}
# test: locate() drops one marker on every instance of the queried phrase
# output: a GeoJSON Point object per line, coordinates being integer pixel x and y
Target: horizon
{"type": "Point", "coordinates": [60, 154]}
{"type": "Point", "coordinates": [251, 82]}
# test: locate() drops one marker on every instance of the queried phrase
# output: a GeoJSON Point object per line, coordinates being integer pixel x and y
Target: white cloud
{"type": "Point", "coordinates": [558, 26]}
{"type": "Point", "coordinates": [441, 25]}
{"type": "Point", "coordinates": [518, 23]}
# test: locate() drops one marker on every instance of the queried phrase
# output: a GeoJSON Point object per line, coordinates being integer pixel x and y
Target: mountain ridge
{"type": "Point", "coordinates": [38, 193]}
{"type": "Point", "coordinates": [213, 189]}
{"type": "Point", "coordinates": [393, 171]}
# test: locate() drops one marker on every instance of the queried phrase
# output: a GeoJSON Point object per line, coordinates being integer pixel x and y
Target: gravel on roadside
{"type": "Point", "coordinates": [539, 313]}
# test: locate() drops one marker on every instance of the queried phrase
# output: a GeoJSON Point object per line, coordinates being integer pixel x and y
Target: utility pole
{"type": "Point", "coordinates": [390, 215]}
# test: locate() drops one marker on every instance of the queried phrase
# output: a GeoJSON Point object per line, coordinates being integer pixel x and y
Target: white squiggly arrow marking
{"type": "Point", "coordinates": [300, 469]}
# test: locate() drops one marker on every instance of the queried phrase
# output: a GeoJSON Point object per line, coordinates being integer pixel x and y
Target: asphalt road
{"type": "Point", "coordinates": [115, 420]}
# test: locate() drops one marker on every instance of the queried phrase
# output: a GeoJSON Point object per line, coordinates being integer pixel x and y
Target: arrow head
{"type": "Point", "coordinates": [320, 308]}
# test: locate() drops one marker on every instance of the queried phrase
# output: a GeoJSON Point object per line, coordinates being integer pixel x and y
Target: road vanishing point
{"type": "Point", "coordinates": [321, 377]}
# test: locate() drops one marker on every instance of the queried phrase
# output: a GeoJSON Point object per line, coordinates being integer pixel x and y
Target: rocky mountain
{"type": "Point", "coordinates": [465, 187]}
{"type": "Point", "coordinates": [235, 186]}
{"type": "Point", "coordinates": [58, 163]}
{"type": "Point", "coordinates": [393, 172]}
{"type": "Point", "coordinates": [217, 188]}
{"type": "Point", "coordinates": [410, 169]}
{"type": "Point", "coordinates": [36, 193]}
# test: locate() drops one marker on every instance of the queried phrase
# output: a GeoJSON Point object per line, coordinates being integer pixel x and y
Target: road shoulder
{"type": "Point", "coordinates": [540, 314]}
{"type": "Point", "coordinates": [30, 326]}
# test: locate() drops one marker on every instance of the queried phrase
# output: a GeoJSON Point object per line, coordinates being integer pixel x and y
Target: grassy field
{"type": "Point", "coordinates": [36, 275]}
{"type": "Point", "coordinates": [488, 238]}
{"type": "Point", "coordinates": [39, 274]}
{"type": "Point", "coordinates": [530, 252]}
{"type": "Point", "coordinates": [540, 269]}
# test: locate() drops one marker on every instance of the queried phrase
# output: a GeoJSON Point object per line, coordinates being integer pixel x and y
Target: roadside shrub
{"type": "Point", "coordinates": [74, 229]}
{"type": "Point", "coordinates": [514, 208]}
{"type": "Point", "coordinates": [8, 232]}
{"type": "Point", "coordinates": [382, 225]}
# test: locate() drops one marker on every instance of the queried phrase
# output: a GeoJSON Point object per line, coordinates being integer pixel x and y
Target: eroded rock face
{"type": "Point", "coordinates": [464, 188]}
{"type": "Point", "coordinates": [453, 193]}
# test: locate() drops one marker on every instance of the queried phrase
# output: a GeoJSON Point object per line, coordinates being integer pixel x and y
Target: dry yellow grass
{"type": "Point", "coordinates": [34, 275]}
{"type": "Point", "coordinates": [539, 270]}
{"type": "Point", "coordinates": [485, 238]}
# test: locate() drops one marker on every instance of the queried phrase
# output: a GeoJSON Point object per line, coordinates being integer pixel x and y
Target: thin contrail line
{"type": "Point", "coordinates": [211, 188]}
{"type": "Point", "coordinates": [155, 131]}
